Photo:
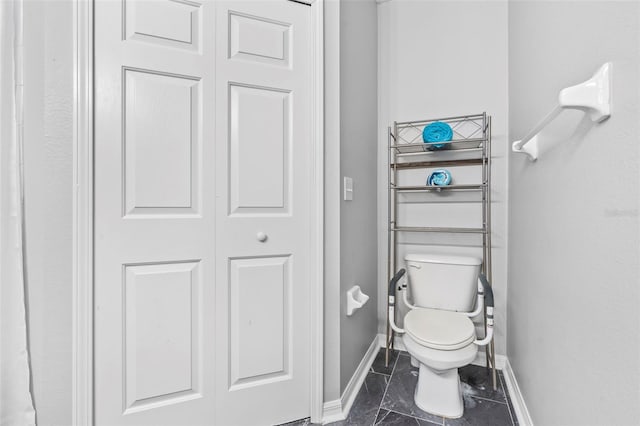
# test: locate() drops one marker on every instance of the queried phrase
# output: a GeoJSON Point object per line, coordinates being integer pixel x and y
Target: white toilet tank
{"type": "Point", "coordinates": [443, 281]}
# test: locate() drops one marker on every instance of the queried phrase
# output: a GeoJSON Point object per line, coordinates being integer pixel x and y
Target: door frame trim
{"type": "Point", "coordinates": [83, 214]}
{"type": "Point", "coordinates": [316, 302]}
{"type": "Point", "coordinates": [82, 222]}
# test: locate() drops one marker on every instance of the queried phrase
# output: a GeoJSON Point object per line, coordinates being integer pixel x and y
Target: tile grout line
{"type": "Point", "coordinates": [393, 411]}
{"type": "Point", "coordinates": [415, 418]}
{"type": "Point", "coordinates": [508, 398]}
{"type": "Point", "coordinates": [380, 374]}
{"type": "Point", "coordinates": [486, 399]}
{"type": "Point", "coordinates": [386, 388]}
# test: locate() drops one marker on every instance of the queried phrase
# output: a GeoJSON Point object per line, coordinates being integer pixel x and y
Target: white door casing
{"type": "Point", "coordinates": [207, 214]}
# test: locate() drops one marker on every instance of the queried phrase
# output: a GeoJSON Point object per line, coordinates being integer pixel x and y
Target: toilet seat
{"type": "Point", "coordinates": [439, 329]}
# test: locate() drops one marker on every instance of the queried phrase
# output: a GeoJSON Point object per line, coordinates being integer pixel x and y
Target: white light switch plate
{"type": "Point", "coordinates": [348, 189]}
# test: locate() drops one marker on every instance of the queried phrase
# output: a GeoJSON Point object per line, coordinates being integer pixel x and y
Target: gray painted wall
{"type": "Point", "coordinates": [358, 124]}
{"type": "Point", "coordinates": [574, 234]}
{"type": "Point", "coordinates": [48, 203]}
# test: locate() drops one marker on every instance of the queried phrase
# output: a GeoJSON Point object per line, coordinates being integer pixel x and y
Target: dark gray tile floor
{"type": "Point", "coordinates": [386, 398]}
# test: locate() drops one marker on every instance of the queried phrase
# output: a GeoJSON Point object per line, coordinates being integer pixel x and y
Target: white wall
{"type": "Point", "coordinates": [48, 203]}
{"type": "Point", "coordinates": [574, 235]}
{"type": "Point", "coordinates": [358, 127]}
{"type": "Point", "coordinates": [440, 59]}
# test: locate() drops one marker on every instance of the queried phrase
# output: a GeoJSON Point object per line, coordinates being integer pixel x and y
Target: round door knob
{"type": "Point", "coordinates": [261, 236]}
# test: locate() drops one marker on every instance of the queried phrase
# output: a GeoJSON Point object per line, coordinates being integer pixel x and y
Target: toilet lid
{"type": "Point", "coordinates": [439, 329]}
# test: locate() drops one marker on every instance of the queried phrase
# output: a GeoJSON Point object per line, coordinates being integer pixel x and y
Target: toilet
{"type": "Point", "coordinates": [438, 331]}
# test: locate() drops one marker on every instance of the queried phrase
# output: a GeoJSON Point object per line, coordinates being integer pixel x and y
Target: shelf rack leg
{"type": "Point", "coordinates": [389, 334]}
{"type": "Point", "coordinates": [493, 365]}
{"type": "Point", "coordinates": [488, 245]}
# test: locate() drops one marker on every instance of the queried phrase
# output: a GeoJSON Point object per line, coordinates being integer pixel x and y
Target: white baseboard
{"type": "Point", "coordinates": [339, 409]}
{"type": "Point", "coordinates": [354, 385]}
{"type": "Point", "coordinates": [332, 411]}
{"type": "Point", "coordinates": [519, 406]}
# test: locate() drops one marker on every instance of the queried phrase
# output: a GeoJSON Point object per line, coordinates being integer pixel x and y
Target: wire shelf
{"type": "Point", "coordinates": [439, 229]}
{"type": "Point", "coordinates": [469, 131]}
{"type": "Point", "coordinates": [469, 136]}
{"type": "Point", "coordinates": [426, 188]}
{"type": "Point", "coordinates": [432, 147]}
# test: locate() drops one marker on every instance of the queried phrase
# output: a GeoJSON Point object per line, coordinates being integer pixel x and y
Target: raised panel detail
{"type": "Point", "coordinates": [259, 320]}
{"type": "Point", "coordinates": [171, 23]}
{"type": "Point", "coordinates": [259, 151]}
{"type": "Point", "coordinates": [161, 143]}
{"type": "Point", "coordinates": [259, 39]}
{"type": "Point", "coordinates": [161, 333]}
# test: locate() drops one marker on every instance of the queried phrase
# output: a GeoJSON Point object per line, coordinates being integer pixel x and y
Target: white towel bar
{"type": "Point", "coordinates": [593, 96]}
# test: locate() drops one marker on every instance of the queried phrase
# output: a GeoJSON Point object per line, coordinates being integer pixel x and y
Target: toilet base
{"type": "Point", "coordinates": [439, 392]}
{"type": "Point", "coordinates": [414, 362]}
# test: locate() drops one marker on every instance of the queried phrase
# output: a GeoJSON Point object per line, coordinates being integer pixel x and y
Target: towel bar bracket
{"type": "Point", "coordinates": [530, 148]}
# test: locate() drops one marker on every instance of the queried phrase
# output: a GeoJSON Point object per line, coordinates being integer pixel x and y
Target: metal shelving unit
{"type": "Point", "coordinates": [470, 146]}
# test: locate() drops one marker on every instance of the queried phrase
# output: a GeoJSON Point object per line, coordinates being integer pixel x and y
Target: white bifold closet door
{"type": "Point", "coordinates": [203, 178]}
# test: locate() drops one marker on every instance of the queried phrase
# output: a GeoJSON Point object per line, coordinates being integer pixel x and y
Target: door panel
{"type": "Point", "coordinates": [166, 23]}
{"type": "Point", "coordinates": [259, 151]}
{"type": "Point", "coordinates": [162, 146]}
{"type": "Point", "coordinates": [263, 78]}
{"type": "Point", "coordinates": [154, 213]}
{"type": "Point", "coordinates": [161, 317]}
{"type": "Point", "coordinates": [259, 39]}
{"type": "Point", "coordinates": [203, 162]}
{"type": "Point", "coordinates": [260, 320]}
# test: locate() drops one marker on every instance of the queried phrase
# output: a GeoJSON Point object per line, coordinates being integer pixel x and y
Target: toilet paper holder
{"type": "Point", "coordinates": [355, 299]}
